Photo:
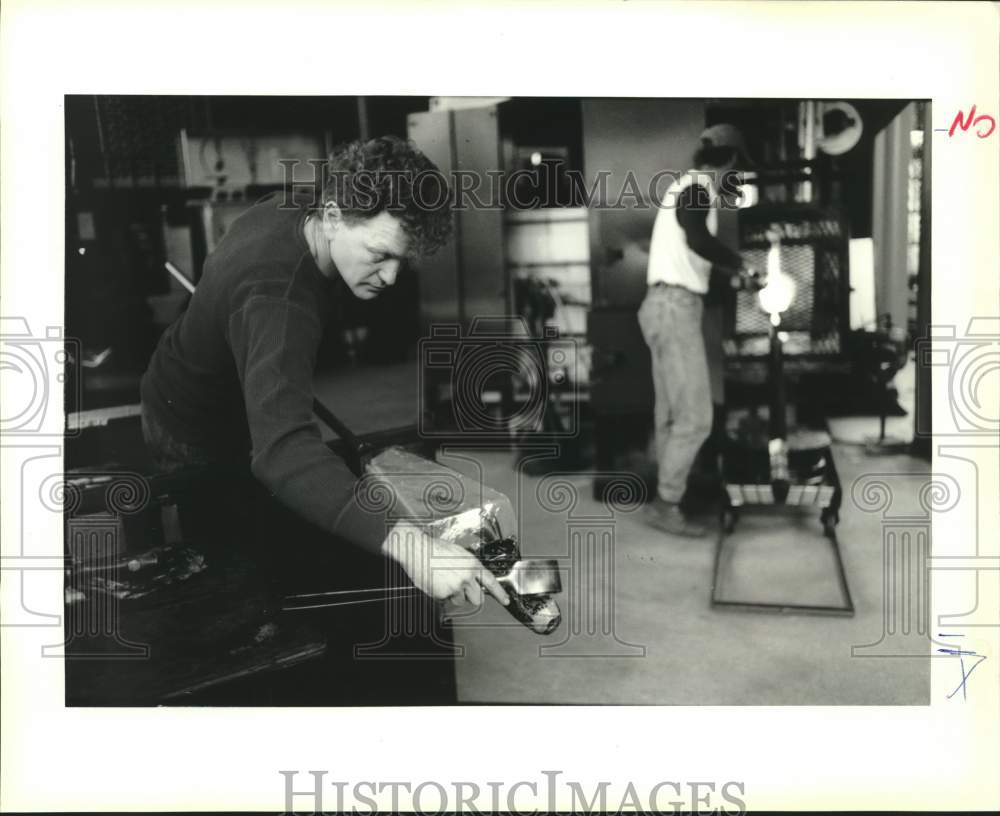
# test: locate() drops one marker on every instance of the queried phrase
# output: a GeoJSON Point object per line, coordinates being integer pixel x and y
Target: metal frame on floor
{"type": "Point", "coordinates": [829, 517]}
{"type": "Point", "coordinates": [846, 610]}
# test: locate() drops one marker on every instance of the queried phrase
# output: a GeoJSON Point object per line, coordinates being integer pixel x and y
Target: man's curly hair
{"type": "Point", "coordinates": [391, 174]}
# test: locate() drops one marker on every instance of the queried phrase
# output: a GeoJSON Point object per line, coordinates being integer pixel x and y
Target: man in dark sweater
{"type": "Point", "coordinates": [231, 380]}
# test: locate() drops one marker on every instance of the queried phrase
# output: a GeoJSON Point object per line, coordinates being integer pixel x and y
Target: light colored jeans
{"type": "Point", "coordinates": [670, 319]}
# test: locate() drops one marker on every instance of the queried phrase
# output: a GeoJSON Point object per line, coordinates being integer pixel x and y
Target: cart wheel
{"type": "Point", "coordinates": [728, 519]}
{"type": "Point", "coordinates": [830, 519]}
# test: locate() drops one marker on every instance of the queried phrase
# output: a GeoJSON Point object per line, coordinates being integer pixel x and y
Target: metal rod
{"type": "Point", "coordinates": [364, 126]}
{"type": "Point", "coordinates": [841, 572]}
{"type": "Point", "coordinates": [354, 447]}
{"type": "Point", "coordinates": [753, 606]}
{"type": "Point", "coordinates": [778, 420]}
{"type": "Point", "coordinates": [348, 592]}
{"type": "Point", "coordinates": [179, 276]}
{"type": "Point", "coordinates": [100, 142]}
{"type": "Point", "coordinates": [847, 610]}
{"type": "Point", "coordinates": [354, 602]}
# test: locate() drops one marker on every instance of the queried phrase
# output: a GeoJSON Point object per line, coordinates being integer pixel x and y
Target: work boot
{"type": "Point", "coordinates": [667, 516]}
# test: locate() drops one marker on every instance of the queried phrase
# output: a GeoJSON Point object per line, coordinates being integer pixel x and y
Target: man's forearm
{"type": "Point", "coordinates": [274, 345]}
{"type": "Point", "coordinates": [309, 479]}
{"type": "Point", "coordinates": [713, 250]}
{"type": "Point", "coordinates": [693, 219]}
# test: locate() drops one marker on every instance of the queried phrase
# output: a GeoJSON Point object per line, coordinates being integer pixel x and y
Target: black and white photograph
{"type": "Point", "coordinates": [447, 400]}
{"type": "Point", "coordinates": [625, 442]}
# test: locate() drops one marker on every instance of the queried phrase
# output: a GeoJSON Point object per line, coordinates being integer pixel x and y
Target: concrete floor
{"type": "Point", "coordinates": [666, 645]}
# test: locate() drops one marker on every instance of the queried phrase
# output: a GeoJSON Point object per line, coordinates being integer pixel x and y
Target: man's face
{"type": "Point", "coordinates": [367, 253]}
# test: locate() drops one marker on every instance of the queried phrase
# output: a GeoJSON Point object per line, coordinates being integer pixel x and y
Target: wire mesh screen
{"type": "Point", "coordinates": [139, 137]}
{"type": "Point", "coordinates": [798, 262]}
{"type": "Point", "coordinates": [814, 255]}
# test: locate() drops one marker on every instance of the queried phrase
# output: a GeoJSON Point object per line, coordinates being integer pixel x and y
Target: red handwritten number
{"type": "Point", "coordinates": [970, 120]}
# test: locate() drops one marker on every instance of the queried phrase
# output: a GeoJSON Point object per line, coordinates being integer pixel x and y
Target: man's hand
{"type": "Point", "coordinates": [441, 569]}
{"type": "Point", "coordinates": [747, 278]}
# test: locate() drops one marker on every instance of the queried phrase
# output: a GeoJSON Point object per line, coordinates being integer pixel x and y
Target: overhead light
{"type": "Point", "coordinates": [536, 158]}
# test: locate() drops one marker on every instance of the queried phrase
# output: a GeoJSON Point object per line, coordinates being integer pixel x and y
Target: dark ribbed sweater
{"type": "Point", "coordinates": [233, 375]}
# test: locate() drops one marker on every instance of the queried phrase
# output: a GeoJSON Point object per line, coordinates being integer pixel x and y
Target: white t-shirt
{"type": "Point", "coordinates": [671, 260]}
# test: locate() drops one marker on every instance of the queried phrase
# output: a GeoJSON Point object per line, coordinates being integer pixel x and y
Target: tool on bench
{"type": "Point", "coordinates": [129, 563]}
{"type": "Point", "coordinates": [355, 452]}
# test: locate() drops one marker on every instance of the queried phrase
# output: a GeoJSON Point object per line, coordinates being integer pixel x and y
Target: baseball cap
{"type": "Point", "coordinates": [726, 135]}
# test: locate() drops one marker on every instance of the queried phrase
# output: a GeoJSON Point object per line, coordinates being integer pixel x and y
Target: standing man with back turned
{"type": "Point", "coordinates": [682, 253]}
